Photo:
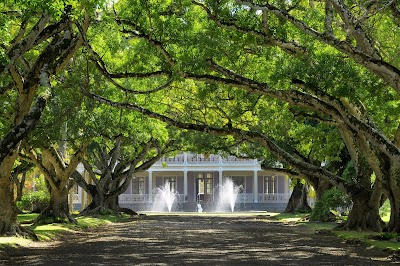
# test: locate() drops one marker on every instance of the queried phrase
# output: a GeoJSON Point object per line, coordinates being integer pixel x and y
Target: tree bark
{"type": "Point", "coordinates": [8, 209]}
{"type": "Point", "coordinates": [321, 188]}
{"type": "Point", "coordinates": [20, 187]}
{"type": "Point", "coordinates": [393, 193]}
{"type": "Point", "coordinates": [364, 214]}
{"type": "Point", "coordinates": [104, 204]}
{"type": "Point", "coordinates": [394, 223]}
{"type": "Point", "coordinates": [57, 174]}
{"type": "Point", "coordinates": [60, 45]}
{"type": "Point", "coordinates": [20, 170]}
{"type": "Point", "coordinates": [298, 201]}
{"type": "Point", "coordinates": [58, 210]}
{"type": "Point", "coordinates": [115, 175]}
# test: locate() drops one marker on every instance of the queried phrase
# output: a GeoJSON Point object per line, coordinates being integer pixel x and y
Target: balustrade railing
{"type": "Point", "coordinates": [133, 198]}
{"type": "Point", "coordinates": [190, 158]}
{"type": "Point", "coordinates": [241, 198]}
{"type": "Point", "coordinates": [233, 159]}
{"type": "Point", "coordinates": [276, 197]}
{"type": "Point", "coordinates": [244, 198]}
{"type": "Point", "coordinates": [200, 158]}
{"type": "Point", "coordinates": [179, 159]}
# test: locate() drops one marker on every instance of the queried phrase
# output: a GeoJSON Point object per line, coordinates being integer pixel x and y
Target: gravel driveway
{"type": "Point", "coordinates": [197, 240]}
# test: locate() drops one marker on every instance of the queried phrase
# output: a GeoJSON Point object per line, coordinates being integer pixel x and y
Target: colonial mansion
{"type": "Point", "coordinates": [194, 179]}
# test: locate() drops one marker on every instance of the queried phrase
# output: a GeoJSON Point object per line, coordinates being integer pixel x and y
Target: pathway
{"type": "Point", "coordinates": [197, 239]}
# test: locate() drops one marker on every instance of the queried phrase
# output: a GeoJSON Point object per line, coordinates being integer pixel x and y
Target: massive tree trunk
{"type": "Point", "coordinates": [54, 43]}
{"type": "Point", "coordinates": [394, 223]}
{"type": "Point", "coordinates": [58, 209]}
{"type": "Point", "coordinates": [8, 209]}
{"type": "Point", "coordinates": [19, 175]}
{"type": "Point", "coordinates": [20, 186]}
{"type": "Point", "coordinates": [105, 191]}
{"type": "Point", "coordinates": [393, 193]}
{"type": "Point", "coordinates": [57, 174]}
{"type": "Point", "coordinates": [116, 172]}
{"type": "Point", "coordinates": [321, 188]}
{"type": "Point", "coordinates": [102, 202]}
{"type": "Point", "coordinates": [99, 199]}
{"type": "Point", "coordinates": [298, 201]}
{"type": "Point", "coordinates": [364, 214]}
{"type": "Point", "coordinates": [365, 193]}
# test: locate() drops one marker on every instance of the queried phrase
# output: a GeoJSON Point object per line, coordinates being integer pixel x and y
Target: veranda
{"type": "Point", "coordinates": [195, 177]}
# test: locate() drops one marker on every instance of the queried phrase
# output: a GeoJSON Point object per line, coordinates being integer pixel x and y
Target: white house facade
{"type": "Point", "coordinates": [194, 179]}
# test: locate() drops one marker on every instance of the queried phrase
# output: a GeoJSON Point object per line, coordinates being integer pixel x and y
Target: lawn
{"type": "Point", "coordinates": [51, 231]}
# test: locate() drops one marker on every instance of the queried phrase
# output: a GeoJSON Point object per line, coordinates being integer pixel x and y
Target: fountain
{"type": "Point", "coordinates": [164, 198]}
{"type": "Point", "coordinates": [199, 208]}
{"type": "Point", "coordinates": [227, 194]}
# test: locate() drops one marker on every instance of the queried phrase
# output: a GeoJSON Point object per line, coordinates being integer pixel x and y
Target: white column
{"type": "Point", "coordinates": [150, 186]}
{"type": "Point", "coordinates": [255, 186]}
{"type": "Point", "coordinates": [220, 177]}
{"type": "Point", "coordinates": [71, 200]}
{"type": "Point", "coordinates": [277, 184]}
{"type": "Point", "coordinates": [82, 195]}
{"type": "Point", "coordinates": [185, 185]}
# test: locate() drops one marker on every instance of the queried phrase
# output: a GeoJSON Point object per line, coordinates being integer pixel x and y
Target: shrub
{"type": "Point", "coordinates": [332, 199]}
{"type": "Point", "coordinates": [35, 201]}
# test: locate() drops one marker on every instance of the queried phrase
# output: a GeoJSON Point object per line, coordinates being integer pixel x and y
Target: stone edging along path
{"type": "Point", "coordinates": [198, 240]}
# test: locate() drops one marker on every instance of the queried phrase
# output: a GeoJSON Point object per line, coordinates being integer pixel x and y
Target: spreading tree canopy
{"type": "Point", "coordinates": [38, 40]}
{"type": "Point", "coordinates": [316, 83]}
{"type": "Point", "coordinates": [333, 62]}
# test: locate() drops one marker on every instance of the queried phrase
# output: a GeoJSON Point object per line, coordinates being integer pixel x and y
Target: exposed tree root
{"type": "Point", "coordinates": [99, 210]}
{"type": "Point", "coordinates": [128, 211]}
{"type": "Point", "coordinates": [361, 226]}
{"type": "Point", "coordinates": [48, 216]}
{"type": "Point", "coordinates": [89, 211]}
{"type": "Point", "coordinates": [25, 232]}
{"type": "Point", "coordinates": [20, 231]}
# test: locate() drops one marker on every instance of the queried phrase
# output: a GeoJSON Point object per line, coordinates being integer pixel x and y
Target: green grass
{"type": "Point", "coordinates": [52, 231]}
{"type": "Point", "coordinates": [11, 241]}
{"type": "Point", "coordinates": [318, 226]}
{"type": "Point", "coordinates": [26, 217]}
{"type": "Point", "coordinates": [352, 235]}
{"type": "Point", "coordinates": [290, 217]}
{"type": "Point", "coordinates": [366, 238]}
{"type": "Point", "coordinates": [357, 236]}
{"type": "Point", "coordinates": [383, 244]}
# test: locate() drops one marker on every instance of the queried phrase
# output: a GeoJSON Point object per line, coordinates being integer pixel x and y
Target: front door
{"type": "Point", "coordinates": [204, 187]}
